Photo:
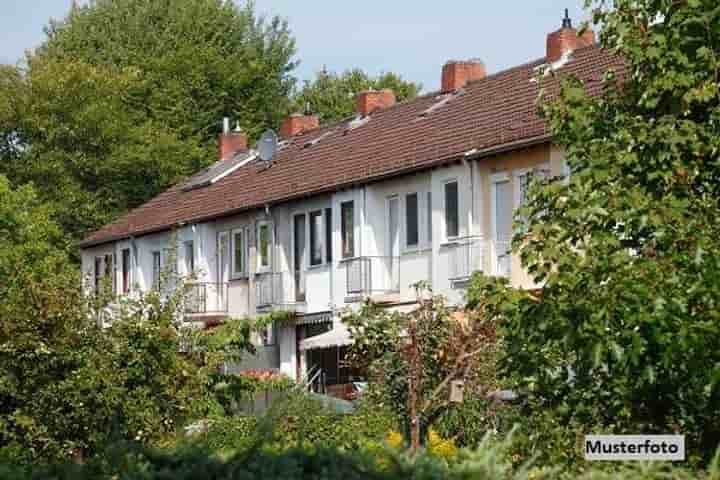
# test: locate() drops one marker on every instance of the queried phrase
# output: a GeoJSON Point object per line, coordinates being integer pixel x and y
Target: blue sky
{"type": "Point", "coordinates": [412, 38]}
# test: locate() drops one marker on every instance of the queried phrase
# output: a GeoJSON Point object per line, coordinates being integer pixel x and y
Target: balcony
{"type": "Point", "coordinates": [501, 258]}
{"type": "Point", "coordinates": [473, 254]}
{"type": "Point", "coordinates": [206, 299]}
{"type": "Point", "coordinates": [372, 276]}
{"type": "Point", "coordinates": [269, 290]}
{"type": "Point", "coordinates": [466, 255]}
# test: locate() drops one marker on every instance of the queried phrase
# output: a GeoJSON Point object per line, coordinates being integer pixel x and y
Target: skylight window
{"type": "Point", "coordinates": [218, 170]}
{"type": "Point", "coordinates": [442, 101]}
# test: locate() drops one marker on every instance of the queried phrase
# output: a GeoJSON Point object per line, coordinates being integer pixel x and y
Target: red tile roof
{"type": "Point", "coordinates": [496, 113]}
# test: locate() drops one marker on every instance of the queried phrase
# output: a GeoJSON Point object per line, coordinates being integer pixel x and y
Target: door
{"type": "Point", "coordinates": [223, 266]}
{"type": "Point", "coordinates": [502, 223]}
{"type": "Point", "coordinates": [299, 257]}
{"type": "Point", "coordinates": [393, 236]}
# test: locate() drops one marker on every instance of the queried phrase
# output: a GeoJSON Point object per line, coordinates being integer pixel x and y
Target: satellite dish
{"type": "Point", "coordinates": [267, 145]}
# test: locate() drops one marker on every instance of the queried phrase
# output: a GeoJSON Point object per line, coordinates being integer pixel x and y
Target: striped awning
{"type": "Point", "coordinates": [313, 318]}
{"type": "Point", "coordinates": [337, 337]}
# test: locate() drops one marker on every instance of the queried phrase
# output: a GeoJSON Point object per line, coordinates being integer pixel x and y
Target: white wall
{"type": "Point", "coordinates": [326, 285]}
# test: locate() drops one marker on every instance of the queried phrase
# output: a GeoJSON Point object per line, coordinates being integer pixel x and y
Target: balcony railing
{"type": "Point", "coordinates": [373, 275]}
{"type": "Point", "coordinates": [269, 290]}
{"type": "Point", "coordinates": [502, 251]}
{"type": "Point", "coordinates": [206, 298]}
{"type": "Point", "coordinates": [467, 255]}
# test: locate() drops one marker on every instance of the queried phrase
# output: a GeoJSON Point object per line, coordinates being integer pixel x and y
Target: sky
{"type": "Point", "coordinates": [411, 38]}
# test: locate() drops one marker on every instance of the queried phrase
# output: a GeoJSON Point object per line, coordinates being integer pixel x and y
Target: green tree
{"type": "Point", "coordinates": [125, 97]}
{"type": "Point", "coordinates": [625, 336]}
{"type": "Point", "coordinates": [68, 385]}
{"type": "Point", "coordinates": [79, 133]}
{"type": "Point", "coordinates": [332, 96]}
{"type": "Point", "coordinates": [413, 358]}
{"type": "Point", "coordinates": [200, 59]}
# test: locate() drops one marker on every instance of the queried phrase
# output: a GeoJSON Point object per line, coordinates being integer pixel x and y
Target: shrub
{"type": "Point", "coordinates": [490, 461]}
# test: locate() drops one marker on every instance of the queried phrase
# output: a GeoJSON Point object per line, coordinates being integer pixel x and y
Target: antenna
{"type": "Point", "coordinates": [267, 146]}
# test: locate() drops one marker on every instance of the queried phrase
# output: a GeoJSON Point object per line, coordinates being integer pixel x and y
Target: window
{"type": "Point", "coordinates": [264, 245]}
{"type": "Point", "coordinates": [524, 180]}
{"type": "Point", "coordinates": [316, 237]}
{"type": "Point", "coordinates": [412, 230]}
{"type": "Point", "coordinates": [224, 255]}
{"type": "Point", "coordinates": [452, 216]}
{"type": "Point", "coordinates": [429, 217]}
{"type": "Point", "coordinates": [110, 271]}
{"type": "Point", "coordinates": [239, 254]}
{"type": "Point", "coordinates": [189, 257]}
{"type": "Point", "coordinates": [299, 257]}
{"type": "Point", "coordinates": [126, 270]}
{"type": "Point", "coordinates": [157, 270]}
{"type": "Point", "coordinates": [98, 274]}
{"type": "Point", "coordinates": [347, 229]}
{"type": "Point", "coordinates": [268, 335]}
{"type": "Point", "coordinates": [328, 235]}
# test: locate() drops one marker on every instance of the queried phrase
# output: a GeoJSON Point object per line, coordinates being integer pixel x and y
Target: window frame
{"type": "Point", "coordinates": [429, 218]}
{"type": "Point", "coordinates": [316, 236]}
{"type": "Point", "coordinates": [409, 224]}
{"type": "Point", "coordinates": [264, 268]}
{"type": "Point", "coordinates": [156, 270]}
{"type": "Point", "coordinates": [235, 274]}
{"type": "Point", "coordinates": [495, 179]}
{"type": "Point", "coordinates": [328, 222]}
{"type": "Point", "coordinates": [126, 268]}
{"type": "Point", "coordinates": [346, 233]}
{"type": "Point", "coordinates": [446, 231]}
{"type": "Point", "coordinates": [109, 269]}
{"type": "Point", "coordinates": [189, 260]}
{"type": "Point", "coordinates": [98, 274]}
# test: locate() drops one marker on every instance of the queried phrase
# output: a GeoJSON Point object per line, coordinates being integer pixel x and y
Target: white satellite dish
{"type": "Point", "coordinates": [267, 145]}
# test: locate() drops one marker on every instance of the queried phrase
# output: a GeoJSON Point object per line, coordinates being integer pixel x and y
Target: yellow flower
{"type": "Point", "coordinates": [394, 440]}
{"type": "Point", "coordinates": [440, 447]}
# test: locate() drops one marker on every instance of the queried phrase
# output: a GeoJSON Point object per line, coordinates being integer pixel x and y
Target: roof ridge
{"type": "Point", "coordinates": [391, 145]}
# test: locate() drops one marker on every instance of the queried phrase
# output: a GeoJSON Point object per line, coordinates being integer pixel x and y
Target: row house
{"type": "Point", "coordinates": [422, 190]}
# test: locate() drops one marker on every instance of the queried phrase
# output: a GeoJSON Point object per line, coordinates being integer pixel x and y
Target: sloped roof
{"type": "Point", "coordinates": [495, 113]}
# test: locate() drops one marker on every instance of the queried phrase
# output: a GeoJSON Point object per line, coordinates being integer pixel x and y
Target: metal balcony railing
{"type": "Point", "coordinates": [269, 290]}
{"type": "Point", "coordinates": [467, 255]}
{"type": "Point", "coordinates": [373, 275]}
{"type": "Point", "coordinates": [206, 298]}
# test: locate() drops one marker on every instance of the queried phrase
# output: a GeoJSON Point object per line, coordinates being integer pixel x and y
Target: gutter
{"type": "Point", "coordinates": [477, 154]}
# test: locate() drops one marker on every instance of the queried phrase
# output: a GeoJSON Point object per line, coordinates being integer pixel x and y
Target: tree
{"type": "Point", "coordinates": [625, 335]}
{"type": "Point", "coordinates": [69, 386]}
{"type": "Point", "coordinates": [126, 97]}
{"type": "Point", "coordinates": [332, 96]}
{"type": "Point", "coordinates": [200, 59]}
{"type": "Point", "coordinates": [414, 358]}
{"type": "Point", "coordinates": [79, 133]}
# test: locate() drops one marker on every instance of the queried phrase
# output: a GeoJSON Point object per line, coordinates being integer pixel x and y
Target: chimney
{"type": "Point", "coordinates": [231, 142]}
{"type": "Point", "coordinates": [298, 123]}
{"type": "Point", "coordinates": [457, 74]}
{"type": "Point", "coordinates": [372, 100]}
{"type": "Point", "coordinates": [566, 40]}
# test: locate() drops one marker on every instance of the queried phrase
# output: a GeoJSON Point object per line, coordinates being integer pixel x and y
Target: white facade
{"type": "Point", "coordinates": [436, 226]}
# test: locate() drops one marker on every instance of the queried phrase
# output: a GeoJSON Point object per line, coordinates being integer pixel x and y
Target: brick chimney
{"type": "Point", "coordinates": [457, 74]}
{"type": "Point", "coordinates": [567, 40]}
{"type": "Point", "coordinates": [298, 123]}
{"type": "Point", "coordinates": [231, 142]}
{"type": "Point", "coordinates": [372, 100]}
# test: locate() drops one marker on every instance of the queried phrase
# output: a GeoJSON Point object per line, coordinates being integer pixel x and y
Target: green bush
{"type": "Point", "coordinates": [300, 420]}
{"type": "Point", "coordinates": [490, 461]}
